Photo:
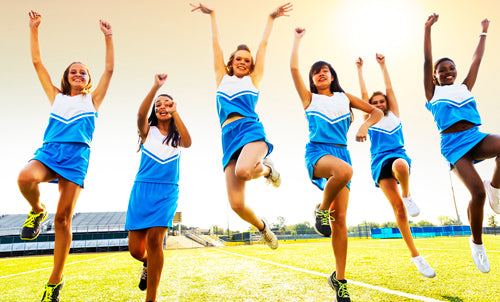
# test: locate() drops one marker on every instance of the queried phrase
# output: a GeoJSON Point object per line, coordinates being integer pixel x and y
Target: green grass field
{"type": "Point", "coordinates": [377, 270]}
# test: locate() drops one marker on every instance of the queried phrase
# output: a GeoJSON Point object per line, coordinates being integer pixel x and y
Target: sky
{"type": "Point", "coordinates": [153, 37]}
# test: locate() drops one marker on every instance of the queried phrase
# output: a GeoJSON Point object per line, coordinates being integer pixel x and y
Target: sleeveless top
{"type": "Point", "coordinates": [72, 120]}
{"type": "Point", "coordinates": [451, 104]}
{"type": "Point", "coordinates": [329, 118]}
{"type": "Point", "coordinates": [159, 162]}
{"type": "Point", "coordinates": [236, 95]}
{"type": "Point", "coordinates": [386, 135]}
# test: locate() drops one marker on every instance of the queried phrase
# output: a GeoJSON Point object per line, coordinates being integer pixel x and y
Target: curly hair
{"type": "Point", "coordinates": [229, 65]}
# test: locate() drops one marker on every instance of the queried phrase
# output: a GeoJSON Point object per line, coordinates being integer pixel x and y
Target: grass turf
{"type": "Point", "coordinates": [293, 272]}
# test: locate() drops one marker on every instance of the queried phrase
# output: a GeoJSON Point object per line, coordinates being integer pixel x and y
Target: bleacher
{"type": "Point", "coordinates": [385, 233]}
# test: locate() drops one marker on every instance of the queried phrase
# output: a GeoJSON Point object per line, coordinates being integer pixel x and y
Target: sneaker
{"type": "Point", "coordinates": [52, 291]}
{"type": "Point", "coordinates": [340, 287]}
{"type": "Point", "coordinates": [423, 267]}
{"type": "Point", "coordinates": [493, 196]}
{"type": "Point", "coordinates": [143, 281]}
{"type": "Point", "coordinates": [479, 256]}
{"type": "Point", "coordinates": [274, 176]}
{"type": "Point", "coordinates": [322, 225]}
{"type": "Point", "coordinates": [268, 236]}
{"type": "Point", "coordinates": [31, 226]}
{"type": "Point", "coordinates": [411, 206]}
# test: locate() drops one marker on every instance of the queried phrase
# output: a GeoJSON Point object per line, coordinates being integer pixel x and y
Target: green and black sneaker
{"type": "Point", "coordinates": [143, 281]}
{"type": "Point", "coordinates": [52, 291]}
{"type": "Point", "coordinates": [340, 287]}
{"type": "Point", "coordinates": [31, 226]}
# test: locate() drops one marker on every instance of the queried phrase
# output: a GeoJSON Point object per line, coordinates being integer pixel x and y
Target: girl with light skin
{"type": "Point", "coordinates": [69, 134]}
{"type": "Point", "coordinates": [245, 146]}
{"type": "Point", "coordinates": [154, 196]}
{"type": "Point", "coordinates": [389, 163]}
{"type": "Point", "coordinates": [327, 109]}
{"type": "Point", "coordinates": [462, 144]}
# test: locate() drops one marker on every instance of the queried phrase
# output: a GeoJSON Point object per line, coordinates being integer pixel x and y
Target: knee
{"type": "Point", "coordinates": [62, 222]}
{"type": "Point", "coordinates": [478, 196]}
{"type": "Point", "coordinates": [137, 252]}
{"type": "Point", "coordinates": [25, 179]}
{"type": "Point", "coordinates": [155, 243]}
{"type": "Point", "coordinates": [237, 207]}
{"type": "Point", "coordinates": [343, 175]}
{"type": "Point", "coordinates": [400, 211]}
{"type": "Point", "coordinates": [400, 166]}
{"type": "Point", "coordinates": [243, 173]}
{"type": "Point", "coordinates": [340, 220]}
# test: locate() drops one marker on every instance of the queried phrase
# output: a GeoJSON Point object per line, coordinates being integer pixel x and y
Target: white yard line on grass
{"type": "Point", "coordinates": [378, 288]}
{"type": "Point", "coordinates": [46, 268]}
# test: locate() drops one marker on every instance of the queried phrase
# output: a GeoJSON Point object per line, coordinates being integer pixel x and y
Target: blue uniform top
{"type": "Point", "coordinates": [236, 95]}
{"type": "Point", "coordinates": [329, 118]}
{"type": "Point", "coordinates": [451, 104]}
{"type": "Point", "coordinates": [72, 120]}
{"type": "Point", "coordinates": [159, 162]}
{"type": "Point", "coordinates": [386, 135]}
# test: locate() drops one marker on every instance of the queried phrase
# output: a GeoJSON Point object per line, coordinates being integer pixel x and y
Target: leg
{"type": "Point", "coordinates": [489, 147]}
{"type": "Point", "coordinates": [236, 195]}
{"type": "Point", "coordinates": [62, 222]}
{"type": "Point", "coordinates": [249, 165]}
{"type": "Point", "coordinates": [338, 173]}
{"type": "Point", "coordinates": [464, 168]}
{"type": "Point", "coordinates": [390, 188]}
{"type": "Point", "coordinates": [339, 231]}
{"type": "Point", "coordinates": [28, 180]}
{"type": "Point", "coordinates": [401, 171]}
{"type": "Point", "coordinates": [137, 244]}
{"type": "Point", "coordinates": [154, 247]}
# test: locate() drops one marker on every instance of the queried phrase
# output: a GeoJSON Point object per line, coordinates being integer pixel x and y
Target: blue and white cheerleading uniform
{"type": "Point", "coordinates": [449, 105]}
{"type": "Point", "coordinates": [387, 142]}
{"type": "Point", "coordinates": [329, 118]}
{"type": "Point", "coordinates": [67, 139]}
{"type": "Point", "coordinates": [239, 95]}
{"type": "Point", "coordinates": [154, 196]}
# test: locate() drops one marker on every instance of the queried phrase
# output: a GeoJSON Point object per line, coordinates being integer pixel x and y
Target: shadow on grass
{"type": "Point", "coordinates": [452, 299]}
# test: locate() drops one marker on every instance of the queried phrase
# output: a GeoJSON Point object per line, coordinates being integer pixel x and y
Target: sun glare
{"type": "Point", "coordinates": [386, 26]}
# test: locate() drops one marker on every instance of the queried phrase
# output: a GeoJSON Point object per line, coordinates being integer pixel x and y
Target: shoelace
{"type": "Point", "coordinates": [49, 292]}
{"type": "Point", "coordinates": [325, 215]}
{"type": "Point", "coordinates": [482, 257]}
{"type": "Point", "coordinates": [144, 273]}
{"type": "Point", "coordinates": [266, 235]}
{"type": "Point", "coordinates": [343, 293]}
{"type": "Point", "coordinates": [30, 222]}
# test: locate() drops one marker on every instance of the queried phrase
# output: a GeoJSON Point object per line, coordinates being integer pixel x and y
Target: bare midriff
{"type": "Point", "coordinates": [232, 117]}
{"type": "Point", "coordinates": [458, 127]}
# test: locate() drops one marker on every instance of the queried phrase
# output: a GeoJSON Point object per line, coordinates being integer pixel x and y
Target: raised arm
{"type": "Point", "coordinates": [392, 103]}
{"type": "Point", "coordinates": [375, 116]}
{"type": "Point", "coordinates": [258, 71]}
{"type": "Point", "coordinates": [185, 140]}
{"type": "Point", "coordinates": [102, 87]}
{"type": "Point", "coordinates": [142, 114]}
{"type": "Point", "coordinates": [43, 75]}
{"type": "Point", "coordinates": [428, 72]}
{"type": "Point", "coordinates": [219, 65]}
{"type": "Point", "coordinates": [362, 85]}
{"type": "Point", "coordinates": [304, 94]}
{"type": "Point", "coordinates": [471, 77]}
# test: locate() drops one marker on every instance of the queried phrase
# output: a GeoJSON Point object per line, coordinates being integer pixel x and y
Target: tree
{"type": "Point", "coordinates": [389, 224]}
{"type": "Point", "coordinates": [423, 223]}
{"type": "Point", "coordinates": [492, 223]}
{"type": "Point", "coordinates": [445, 221]}
{"type": "Point", "coordinates": [281, 223]}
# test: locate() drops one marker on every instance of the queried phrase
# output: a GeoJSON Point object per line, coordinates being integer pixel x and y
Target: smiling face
{"type": "Point", "coordinates": [76, 79]}
{"type": "Point", "coordinates": [322, 78]}
{"type": "Point", "coordinates": [445, 73]}
{"type": "Point", "coordinates": [380, 102]}
{"type": "Point", "coordinates": [242, 63]}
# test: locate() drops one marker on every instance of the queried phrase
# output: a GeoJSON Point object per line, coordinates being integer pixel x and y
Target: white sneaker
{"type": "Point", "coordinates": [493, 196]}
{"type": "Point", "coordinates": [274, 176]}
{"type": "Point", "coordinates": [479, 256]}
{"type": "Point", "coordinates": [268, 236]}
{"type": "Point", "coordinates": [411, 207]}
{"type": "Point", "coordinates": [423, 267]}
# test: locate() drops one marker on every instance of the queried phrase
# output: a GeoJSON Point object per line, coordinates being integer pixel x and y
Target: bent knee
{"type": "Point", "coordinates": [243, 173]}
{"type": "Point", "coordinates": [400, 166]}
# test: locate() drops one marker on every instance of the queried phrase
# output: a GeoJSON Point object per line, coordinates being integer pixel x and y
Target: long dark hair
{"type": "Point", "coordinates": [173, 137]}
{"type": "Point", "coordinates": [315, 68]}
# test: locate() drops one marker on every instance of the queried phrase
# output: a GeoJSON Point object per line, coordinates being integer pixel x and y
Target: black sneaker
{"type": "Point", "coordinates": [143, 281]}
{"type": "Point", "coordinates": [322, 225]}
{"type": "Point", "coordinates": [31, 226]}
{"type": "Point", "coordinates": [51, 293]}
{"type": "Point", "coordinates": [340, 287]}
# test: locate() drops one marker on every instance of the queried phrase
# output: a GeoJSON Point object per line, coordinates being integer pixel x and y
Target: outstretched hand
{"type": "Point", "coordinates": [35, 19]}
{"type": "Point", "coordinates": [485, 24]}
{"type": "Point", "coordinates": [202, 8]}
{"type": "Point", "coordinates": [431, 20]}
{"type": "Point", "coordinates": [359, 62]}
{"type": "Point", "coordinates": [300, 32]}
{"type": "Point", "coordinates": [105, 27]}
{"type": "Point", "coordinates": [160, 79]}
{"type": "Point", "coordinates": [380, 58]}
{"type": "Point", "coordinates": [282, 10]}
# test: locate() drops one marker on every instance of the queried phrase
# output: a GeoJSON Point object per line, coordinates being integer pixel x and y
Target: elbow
{"type": "Point", "coordinates": [186, 143]}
